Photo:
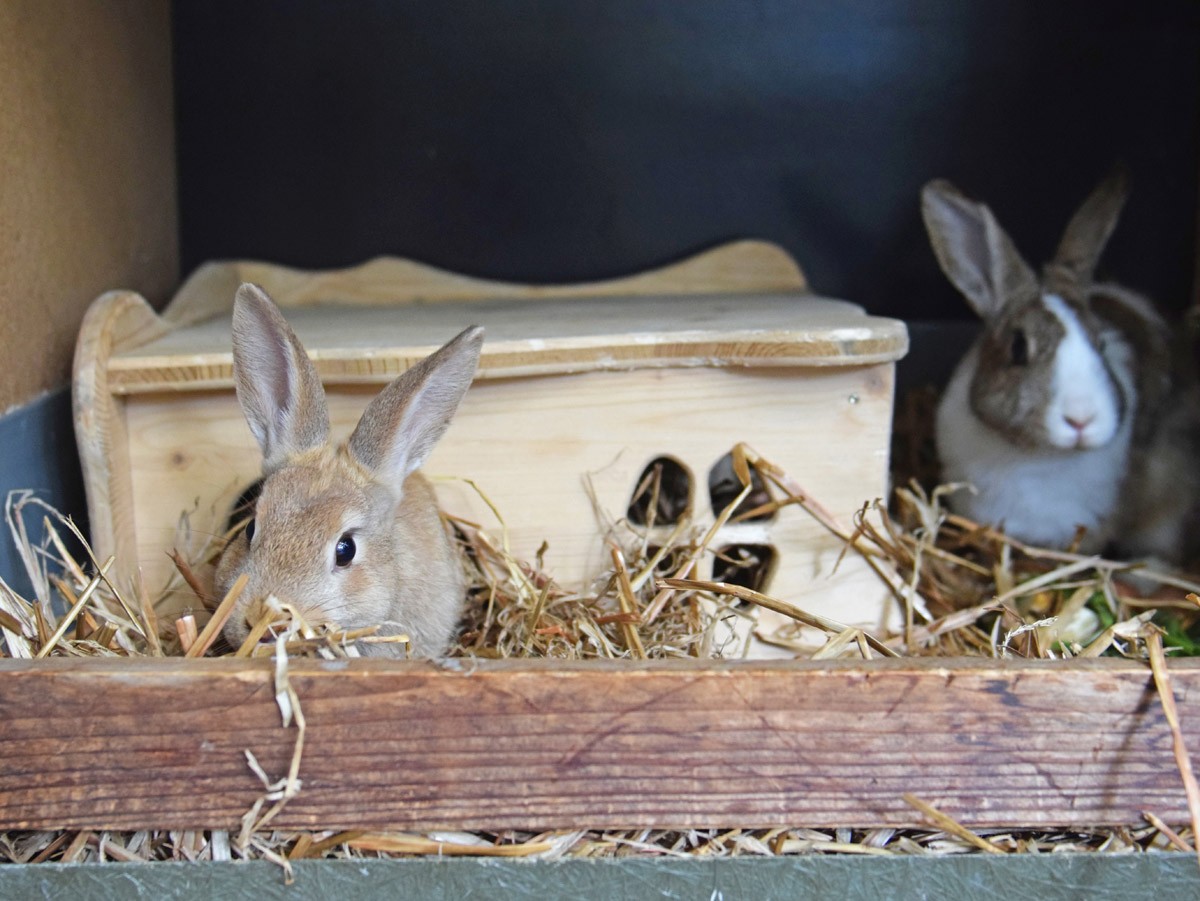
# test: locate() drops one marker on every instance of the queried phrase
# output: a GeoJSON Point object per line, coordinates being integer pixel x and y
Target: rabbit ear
{"type": "Point", "coordinates": [973, 250]}
{"type": "Point", "coordinates": [277, 384]}
{"type": "Point", "coordinates": [402, 424]}
{"type": "Point", "coordinates": [1074, 263]}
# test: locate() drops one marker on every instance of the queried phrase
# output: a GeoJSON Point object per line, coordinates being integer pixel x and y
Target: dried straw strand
{"type": "Point", "coordinates": [628, 605]}
{"type": "Point", "coordinates": [949, 824]}
{"type": "Point", "coordinates": [84, 597]}
{"type": "Point", "coordinates": [1166, 696]}
{"type": "Point", "coordinates": [219, 618]}
{"type": "Point", "coordinates": [773, 604]}
{"type": "Point", "coordinates": [1171, 835]}
{"type": "Point", "coordinates": [189, 576]}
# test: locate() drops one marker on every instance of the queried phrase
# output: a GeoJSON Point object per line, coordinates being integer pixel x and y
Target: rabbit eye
{"type": "Point", "coordinates": [344, 552]}
{"type": "Point", "coordinates": [249, 530]}
{"type": "Point", "coordinates": [1018, 351]}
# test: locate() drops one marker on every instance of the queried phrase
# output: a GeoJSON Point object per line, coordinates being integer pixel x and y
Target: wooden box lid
{"type": "Point", "coordinates": [366, 325]}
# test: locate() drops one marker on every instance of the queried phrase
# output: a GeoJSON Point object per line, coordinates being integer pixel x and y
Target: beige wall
{"type": "Point", "coordinates": [87, 174]}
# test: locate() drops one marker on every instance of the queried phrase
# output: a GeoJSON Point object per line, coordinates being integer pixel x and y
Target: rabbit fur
{"type": "Point", "coordinates": [1060, 413]}
{"type": "Point", "coordinates": [361, 499]}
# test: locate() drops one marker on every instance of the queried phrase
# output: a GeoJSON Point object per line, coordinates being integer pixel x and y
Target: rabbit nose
{"type": "Point", "coordinates": [1078, 422]}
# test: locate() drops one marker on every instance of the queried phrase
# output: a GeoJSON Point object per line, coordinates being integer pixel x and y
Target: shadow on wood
{"type": "Point", "coordinates": [133, 744]}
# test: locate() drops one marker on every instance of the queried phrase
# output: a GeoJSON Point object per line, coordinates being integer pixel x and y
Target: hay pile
{"type": "Point", "coordinates": [964, 589]}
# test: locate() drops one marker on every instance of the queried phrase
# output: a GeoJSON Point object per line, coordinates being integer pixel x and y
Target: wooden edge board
{"type": "Point", "coordinates": [133, 744]}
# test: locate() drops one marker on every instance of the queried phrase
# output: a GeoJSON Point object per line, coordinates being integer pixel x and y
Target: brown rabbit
{"type": "Point", "coordinates": [347, 534]}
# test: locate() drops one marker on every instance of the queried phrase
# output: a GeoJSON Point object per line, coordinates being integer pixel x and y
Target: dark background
{"type": "Point", "coordinates": [553, 141]}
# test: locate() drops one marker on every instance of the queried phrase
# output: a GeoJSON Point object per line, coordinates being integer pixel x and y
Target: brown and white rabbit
{"type": "Point", "coordinates": [349, 534]}
{"type": "Point", "coordinates": [1052, 414]}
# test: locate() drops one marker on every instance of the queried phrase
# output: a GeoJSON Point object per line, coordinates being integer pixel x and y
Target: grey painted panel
{"type": "Point", "coordinates": [38, 452]}
{"type": "Point", "coordinates": [1164, 877]}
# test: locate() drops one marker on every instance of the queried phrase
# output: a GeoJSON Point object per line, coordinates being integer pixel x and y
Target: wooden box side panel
{"type": "Point", "coordinates": [529, 444]}
{"type": "Point", "coordinates": [525, 746]}
{"type": "Point", "coordinates": [535, 443]}
{"type": "Point", "coordinates": [114, 320]}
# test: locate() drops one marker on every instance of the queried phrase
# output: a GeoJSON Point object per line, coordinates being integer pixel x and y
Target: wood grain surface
{"type": "Point", "coordinates": [528, 336]}
{"type": "Point", "coordinates": [546, 452]}
{"type": "Point", "coordinates": [128, 744]}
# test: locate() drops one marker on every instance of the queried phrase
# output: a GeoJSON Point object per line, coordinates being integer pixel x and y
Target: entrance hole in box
{"type": "Point", "coordinates": [724, 487]}
{"type": "Point", "coordinates": [671, 562]}
{"type": "Point", "coordinates": [748, 565]}
{"type": "Point", "coordinates": [242, 510]}
{"type": "Point", "coordinates": [662, 495]}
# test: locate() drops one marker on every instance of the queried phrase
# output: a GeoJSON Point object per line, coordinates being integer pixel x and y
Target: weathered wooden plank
{"type": "Point", "coordinates": [126, 744]}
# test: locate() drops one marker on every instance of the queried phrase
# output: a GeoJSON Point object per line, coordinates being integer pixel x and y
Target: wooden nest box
{"type": "Point", "coordinates": [581, 391]}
